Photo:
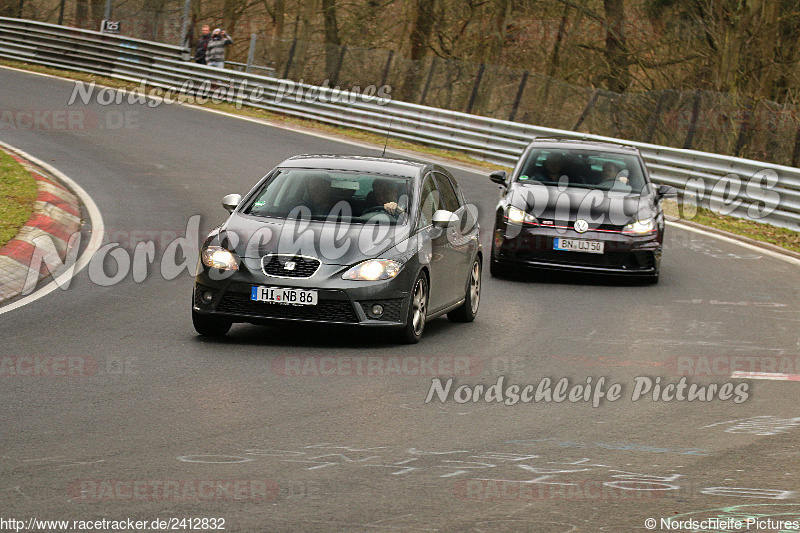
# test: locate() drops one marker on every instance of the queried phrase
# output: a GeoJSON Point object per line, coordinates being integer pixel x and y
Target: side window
{"type": "Point", "coordinates": [429, 202]}
{"type": "Point", "coordinates": [449, 198]}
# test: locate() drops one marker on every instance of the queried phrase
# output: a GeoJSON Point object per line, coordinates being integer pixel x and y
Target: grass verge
{"type": "Point", "coordinates": [17, 194]}
{"type": "Point", "coordinates": [784, 238]}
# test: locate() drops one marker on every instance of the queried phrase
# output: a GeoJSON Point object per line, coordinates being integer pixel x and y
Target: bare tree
{"type": "Point", "coordinates": [500, 12]}
{"type": "Point", "coordinates": [332, 42]}
{"type": "Point", "coordinates": [423, 16]}
{"type": "Point", "coordinates": [616, 50]}
{"type": "Point", "coordinates": [81, 13]}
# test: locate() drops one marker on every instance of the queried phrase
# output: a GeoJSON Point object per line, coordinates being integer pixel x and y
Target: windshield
{"type": "Point", "coordinates": [584, 168]}
{"type": "Point", "coordinates": [333, 195]}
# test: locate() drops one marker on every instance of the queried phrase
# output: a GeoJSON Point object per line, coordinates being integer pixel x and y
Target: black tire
{"type": "Point", "coordinates": [467, 311]}
{"type": "Point", "coordinates": [209, 326]}
{"type": "Point", "coordinates": [652, 279]}
{"type": "Point", "coordinates": [411, 333]}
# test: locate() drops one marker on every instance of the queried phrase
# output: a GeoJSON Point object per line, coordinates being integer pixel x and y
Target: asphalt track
{"type": "Point", "coordinates": [153, 407]}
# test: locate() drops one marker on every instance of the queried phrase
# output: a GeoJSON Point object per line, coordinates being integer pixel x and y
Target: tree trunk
{"type": "Point", "coordinates": [279, 18]}
{"type": "Point", "coordinates": [82, 13]}
{"type": "Point", "coordinates": [419, 39]}
{"type": "Point", "coordinates": [552, 64]}
{"type": "Point", "coordinates": [501, 11]}
{"type": "Point", "coordinates": [154, 11]}
{"type": "Point", "coordinates": [230, 16]}
{"type": "Point", "coordinates": [332, 42]}
{"type": "Point", "coordinates": [97, 9]}
{"type": "Point", "coordinates": [306, 15]}
{"type": "Point", "coordinates": [787, 56]}
{"type": "Point", "coordinates": [616, 50]}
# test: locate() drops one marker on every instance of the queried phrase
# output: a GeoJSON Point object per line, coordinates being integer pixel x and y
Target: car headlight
{"type": "Point", "coordinates": [516, 215]}
{"type": "Point", "coordinates": [640, 227]}
{"type": "Point", "coordinates": [373, 270]}
{"type": "Point", "coordinates": [219, 257]}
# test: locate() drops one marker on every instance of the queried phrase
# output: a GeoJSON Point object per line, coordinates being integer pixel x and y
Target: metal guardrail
{"type": "Point", "coordinates": [243, 67]}
{"type": "Point", "coordinates": [740, 187]}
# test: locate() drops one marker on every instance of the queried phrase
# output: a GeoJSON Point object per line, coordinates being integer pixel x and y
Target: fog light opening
{"type": "Point", "coordinates": [207, 296]}
{"type": "Point", "coordinates": [377, 310]}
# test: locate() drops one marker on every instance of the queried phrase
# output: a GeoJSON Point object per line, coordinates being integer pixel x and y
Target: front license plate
{"type": "Point", "coordinates": [578, 245]}
{"type": "Point", "coordinates": [280, 295]}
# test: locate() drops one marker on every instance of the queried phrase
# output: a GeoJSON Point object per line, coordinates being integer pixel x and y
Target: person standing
{"type": "Point", "coordinates": [202, 44]}
{"type": "Point", "coordinates": [215, 51]}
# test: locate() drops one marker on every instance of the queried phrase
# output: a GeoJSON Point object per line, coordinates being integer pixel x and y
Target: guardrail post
{"type": "Point", "coordinates": [187, 8]}
{"type": "Point", "coordinates": [290, 58]}
{"type": "Point", "coordinates": [520, 91]}
{"type": "Point", "coordinates": [475, 88]}
{"type": "Point", "coordinates": [428, 81]}
{"type": "Point", "coordinates": [251, 53]}
{"type": "Point", "coordinates": [385, 77]}
{"type": "Point", "coordinates": [693, 124]}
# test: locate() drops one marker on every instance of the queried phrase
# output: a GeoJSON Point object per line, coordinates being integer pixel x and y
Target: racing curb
{"type": "Point", "coordinates": [45, 237]}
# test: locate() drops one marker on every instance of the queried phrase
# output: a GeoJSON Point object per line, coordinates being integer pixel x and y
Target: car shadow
{"type": "Point", "coordinates": [320, 335]}
{"type": "Point", "coordinates": [556, 277]}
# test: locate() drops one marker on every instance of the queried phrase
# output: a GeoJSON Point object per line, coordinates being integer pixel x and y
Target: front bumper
{"type": "Point", "coordinates": [340, 301]}
{"type": "Point", "coordinates": [534, 247]}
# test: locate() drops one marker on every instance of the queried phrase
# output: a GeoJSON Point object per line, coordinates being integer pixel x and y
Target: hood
{"type": "Point", "coordinates": [598, 207]}
{"type": "Point", "coordinates": [332, 243]}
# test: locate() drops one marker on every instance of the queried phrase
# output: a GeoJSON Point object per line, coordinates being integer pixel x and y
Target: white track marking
{"type": "Point", "coordinates": [772, 376]}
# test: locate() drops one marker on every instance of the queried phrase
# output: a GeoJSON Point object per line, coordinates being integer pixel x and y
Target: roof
{"type": "Point", "coordinates": [376, 165]}
{"type": "Point", "coordinates": [569, 142]}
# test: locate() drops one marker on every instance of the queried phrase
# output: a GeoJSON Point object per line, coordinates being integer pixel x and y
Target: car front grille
{"type": "Point", "coordinates": [324, 311]}
{"type": "Point", "coordinates": [275, 265]}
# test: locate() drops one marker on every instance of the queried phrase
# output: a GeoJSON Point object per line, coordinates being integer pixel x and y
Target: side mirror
{"type": "Point", "coordinates": [666, 191]}
{"type": "Point", "coordinates": [231, 201]}
{"type": "Point", "coordinates": [443, 218]}
{"type": "Point", "coordinates": [499, 177]}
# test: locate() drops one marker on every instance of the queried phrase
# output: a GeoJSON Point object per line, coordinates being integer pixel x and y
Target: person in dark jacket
{"type": "Point", "coordinates": [215, 51]}
{"type": "Point", "coordinates": [202, 44]}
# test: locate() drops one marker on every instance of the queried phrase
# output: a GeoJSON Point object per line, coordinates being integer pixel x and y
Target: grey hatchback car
{"type": "Point", "coordinates": [349, 240]}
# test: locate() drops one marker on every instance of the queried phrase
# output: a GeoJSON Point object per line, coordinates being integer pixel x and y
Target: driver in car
{"type": "Point", "coordinates": [615, 176]}
{"type": "Point", "coordinates": [386, 197]}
